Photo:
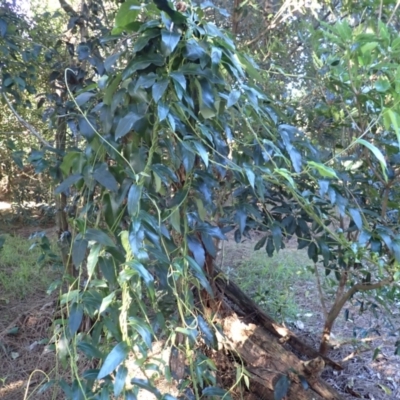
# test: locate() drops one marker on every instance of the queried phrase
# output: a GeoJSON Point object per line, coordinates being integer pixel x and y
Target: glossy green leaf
{"type": "Point", "coordinates": [93, 258]}
{"type": "Point", "coordinates": [89, 350]}
{"type": "Point", "coordinates": [216, 391]}
{"type": "Point", "coordinates": [260, 244]}
{"type": "Point", "coordinates": [207, 332]}
{"type": "Point", "coordinates": [107, 300]}
{"type": "Point", "coordinates": [382, 85]}
{"type": "Point", "coordinates": [356, 215]}
{"type": "Point", "coordinates": [323, 169]}
{"type": "Point", "coordinates": [117, 355]}
{"type": "Point", "coordinates": [197, 250]}
{"type": "Point", "coordinates": [233, 98]}
{"type": "Point", "coordinates": [142, 62]}
{"type": "Point", "coordinates": [199, 274]}
{"type": "Point", "coordinates": [79, 251]}
{"type": "Point", "coordinates": [65, 185]}
{"type": "Point", "coordinates": [126, 124]}
{"type": "Point", "coordinates": [102, 175]}
{"type": "Point", "coordinates": [159, 89]}
{"type": "Point", "coordinates": [75, 318]}
{"type": "Point", "coordinates": [169, 41]}
{"type": "Point", "coordinates": [99, 237]}
{"type": "Point", "coordinates": [144, 274]}
{"type": "Point", "coordinates": [277, 236]}
{"type": "Point", "coordinates": [145, 384]}
{"type": "Point", "coordinates": [120, 379]}
{"type": "Point", "coordinates": [378, 154]}
{"type": "Point", "coordinates": [83, 98]}
{"type": "Point", "coordinates": [127, 13]}
{"type": "Point", "coordinates": [134, 195]}
{"type": "Point", "coordinates": [270, 246]}
{"type": "Point", "coordinates": [143, 329]}
{"type": "Point", "coordinates": [313, 252]}
{"type": "Point", "coordinates": [202, 152]}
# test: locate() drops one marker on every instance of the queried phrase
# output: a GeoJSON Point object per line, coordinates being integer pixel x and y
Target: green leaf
{"type": "Point", "coordinates": [89, 350]}
{"type": "Point", "coordinates": [277, 236]}
{"type": "Point", "coordinates": [250, 176]}
{"type": "Point", "coordinates": [199, 274]}
{"type": "Point", "coordinates": [142, 62]}
{"type": "Point", "coordinates": [202, 152]}
{"type": "Point", "coordinates": [107, 269]}
{"type": "Point", "coordinates": [79, 251]}
{"type": "Point", "coordinates": [197, 250]}
{"type": "Point", "coordinates": [159, 89]}
{"type": "Point", "coordinates": [67, 183]}
{"type": "Point", "coordinates": [102, 175]}
{"type": "Point", "coordinates": [281, 388]}
{"type": "Point", "coordinates": [323, 169]}
{"type": "Point", "coordinates": [233, 98]}
{"type": "Point", "coordinates": [93, 258]}
{"type": "Point", "coordinates": [145, 384]}
{"type": "Point", "coordinates": [125, 124]}
{"type": "Point", "coordinates": [169, 41]}
{"type": "Point", "coordinates": [127, 13]}
{"type": "Point", "coordinates": [106, 302]}
{"type": "Point", "coordinates": [117, 355]}
{"type": "Point", "coordinates": [313, 252]}
{"type": "Point", "coordinates": [143, 329]}
{"type": "Point", "coordinates": [208, 333]}
{"type": "Point", "coordinates": [179, 78]}
{"type": "Point", "coordinates": [378, 154]}
{"type": "Point", "coordinates": [75, 317]}
{"type": "Point", "coordinates": [120, 379]}
{"type": "Point", "coordinates": [84, 98]}
{"type": "Point", "coordinates": [216, 391]}
{"type": "Point", "coordinates": [260, 244]}
{"type": "Point", "coordinates": [3, 27]}
{"type": "Point", "coordinates": [270, 246]}
{"type": "Point", "coordinates": [356, 215]}
{"type": "Point", "coordinates": [382, 85]}
{"type": "Point", "coordinates": [134, 196]}
{"type": "Point", "coordinates": [99, 237]}
{"type": "Point", "coordinates": [391, 117]}
{"type": "Point", "coordinates": [144, 274]}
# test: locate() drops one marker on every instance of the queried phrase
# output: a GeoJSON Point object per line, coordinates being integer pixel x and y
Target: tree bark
{"type": "Point", "coordinates": [268, 361]}
{"type": "Point", "coordinates": [255, 314]}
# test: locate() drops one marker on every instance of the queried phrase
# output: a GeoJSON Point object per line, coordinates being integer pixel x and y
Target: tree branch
{"type": "Point", "coordinates": [26, 124]}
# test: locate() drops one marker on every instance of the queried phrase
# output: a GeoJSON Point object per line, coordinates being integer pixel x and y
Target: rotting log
{"type": "Point", "coordinates": [267, 361]}
{"type": "Point", "coordinates": [253, 313]}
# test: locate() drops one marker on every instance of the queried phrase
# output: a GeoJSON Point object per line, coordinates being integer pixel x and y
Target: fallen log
{"type": "Point", "coordinates": [253, 313]}
{"type": "Point", "coordinates": [268, 362]}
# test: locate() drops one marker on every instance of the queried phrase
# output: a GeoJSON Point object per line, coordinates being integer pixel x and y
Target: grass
{"type": "Point", "coordinates": [271, 281]}
{"type": "Point", "coordinates": [20, 272]}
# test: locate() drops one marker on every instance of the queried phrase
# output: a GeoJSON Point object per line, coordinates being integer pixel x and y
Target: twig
{"type": "Point", "coordinates": [26, 124]}
{"type": "Point", "coordinates": [321, 294]}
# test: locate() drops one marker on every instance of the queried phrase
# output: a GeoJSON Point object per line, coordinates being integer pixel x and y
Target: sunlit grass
{"type": "Point", "coordinates": [270, 281]}
{"type": "Point", "coordinates": [20, 272]}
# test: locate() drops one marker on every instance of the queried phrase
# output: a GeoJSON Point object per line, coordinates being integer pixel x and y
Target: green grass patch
{"type": "Point", "coordinates": [273, 282]}
{"type": "Point", "coordinates": [20, 272]}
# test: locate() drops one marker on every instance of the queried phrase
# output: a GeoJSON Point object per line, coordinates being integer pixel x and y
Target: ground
{"type": "Point", "coordinates": [27, 313]}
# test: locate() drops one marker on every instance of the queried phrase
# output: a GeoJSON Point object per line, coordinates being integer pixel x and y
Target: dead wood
{"type": "Point", "coordinates": [253, 313]}
{"type": "Point", "coordinates": [267, 360]}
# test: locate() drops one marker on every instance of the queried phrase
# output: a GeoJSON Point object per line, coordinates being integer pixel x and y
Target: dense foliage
{"type": "Point", "coordinates": [174, 140]}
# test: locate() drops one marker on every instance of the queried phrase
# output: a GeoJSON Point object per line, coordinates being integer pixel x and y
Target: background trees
{"type": "Point", "coordinates": [161, 137]}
